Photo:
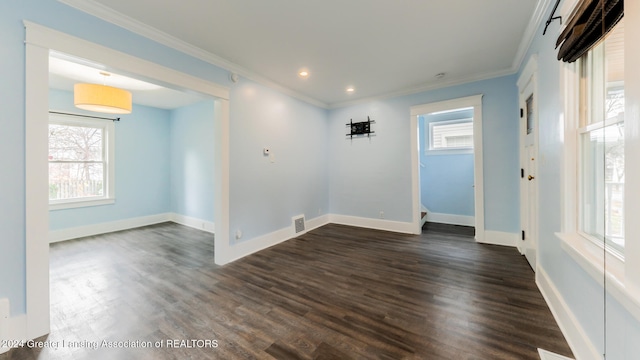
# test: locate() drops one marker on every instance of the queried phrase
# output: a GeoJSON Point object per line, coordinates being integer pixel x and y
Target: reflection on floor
{"type": "Point", "coordinates": [334, 293]}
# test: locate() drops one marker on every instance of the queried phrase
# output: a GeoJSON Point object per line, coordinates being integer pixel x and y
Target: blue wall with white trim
{"type": "Point", "coordinates": [263, 195]}
{"type": "Point", "coordinates": [369, 175]}
{"type": "Point", "coordinates": [446, 176]}
{"type": "Point", "coordinates": [141, 167]}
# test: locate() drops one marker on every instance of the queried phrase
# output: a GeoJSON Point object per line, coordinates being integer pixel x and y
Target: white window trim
{"type": "Point", "coordinates": [430, 150]}
{"type": "Point", "coordinates": [587, 254]}
{"type": "Point", "coordinates": [109, 142]}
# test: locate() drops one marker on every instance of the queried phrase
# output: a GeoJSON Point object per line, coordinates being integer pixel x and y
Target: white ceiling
{"type": "Point", "coordinates": [380, 47]}
{"type": "Point", "coordinates": [65, 71]}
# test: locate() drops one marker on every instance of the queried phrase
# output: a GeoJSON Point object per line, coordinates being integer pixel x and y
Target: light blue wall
{"type": "Point", "coordinates": [265, 195]}
{"type": "Point", "coordinates": [142, 167]}
{"type": "Point", "coordinates": [297, 183]}
{"type": "Point", "coordinates": [372, 175]}
{"type": "Point", "coordinates": [446, 179]}
{"type": "Point", "coordinates": [582, 294]}
{"type": "Point", "coordinates": [12, 170]}
{"type": "Point", "coordinates": [192, 160]}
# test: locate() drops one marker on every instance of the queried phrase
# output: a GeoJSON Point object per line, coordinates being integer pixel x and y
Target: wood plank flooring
{"type": "Point", "coordinates": [334, 293]}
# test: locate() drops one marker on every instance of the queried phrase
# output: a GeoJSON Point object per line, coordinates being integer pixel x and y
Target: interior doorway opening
{"type": "Point", "coordinates": [447, 170]}
{"type": "Point", "coordinates": [449, 133]}
{"type": "Point", "coordinates": [39, 42]}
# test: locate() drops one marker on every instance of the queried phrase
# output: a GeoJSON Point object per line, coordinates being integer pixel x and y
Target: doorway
{"type": "Point", "coordinates": [527, 98]}
{"type": "Point", "coordinates": [446, 169]}
{"type": "Point", "coordinates": [39, 42]}
{"type": "Point", "coordinates": [471, 105]}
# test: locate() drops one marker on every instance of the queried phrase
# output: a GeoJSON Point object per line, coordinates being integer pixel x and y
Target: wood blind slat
{"type": "Point", "coordinates": [585, 28]}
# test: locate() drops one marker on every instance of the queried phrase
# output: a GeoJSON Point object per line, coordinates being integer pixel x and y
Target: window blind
{"type": "Point", "coordinates": [590, 22]}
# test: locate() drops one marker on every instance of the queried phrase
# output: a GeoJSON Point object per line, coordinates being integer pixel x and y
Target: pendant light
{"type": "Point", "coordinates": [102, 98]}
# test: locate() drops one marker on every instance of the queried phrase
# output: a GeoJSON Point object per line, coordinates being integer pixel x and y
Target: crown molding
{"type": "Point", "coordinates": [124, 21]}
{"type": "Point", "coordinates": [423, 88]}
{"type": "Point", "coordinates": [530, 33]}
{"type": "Point", "coordinates": [107, 14]}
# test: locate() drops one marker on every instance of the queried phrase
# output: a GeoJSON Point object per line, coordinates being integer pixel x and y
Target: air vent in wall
{"type": "Point", "coordinates": [298, 224]}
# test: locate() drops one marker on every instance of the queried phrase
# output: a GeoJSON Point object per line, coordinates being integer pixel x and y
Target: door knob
{"type": "Point", "coordinates": [531, 177]}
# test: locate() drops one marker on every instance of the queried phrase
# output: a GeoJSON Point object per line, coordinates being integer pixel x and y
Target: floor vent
{"type": "Point", "coordinates": [298, 224]}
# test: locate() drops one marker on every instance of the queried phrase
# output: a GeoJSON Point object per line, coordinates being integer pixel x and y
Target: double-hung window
{"type": "Point", "coordinates": [601, 143]}
{"type": "Point", "coordinates": [81, 161]}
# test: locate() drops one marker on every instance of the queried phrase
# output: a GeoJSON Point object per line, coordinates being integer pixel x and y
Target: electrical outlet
{"type": "Point", "coordinates": [381, 214]}
{"type": "Point", "coordinates": [238, 234]}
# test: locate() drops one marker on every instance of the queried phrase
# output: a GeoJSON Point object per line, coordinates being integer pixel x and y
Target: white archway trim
{"type": "Point", "coordinates": [474, 101]}
{"type": "Point", "coordinates": [41, 36]}
{"type": "Point", "coordinates": [39, 41]}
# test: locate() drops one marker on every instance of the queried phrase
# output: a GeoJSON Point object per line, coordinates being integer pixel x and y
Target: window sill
{"type": "Point", "coordinates": [81, 203]}
{"type": "Point", "coordinates": [591, 258]}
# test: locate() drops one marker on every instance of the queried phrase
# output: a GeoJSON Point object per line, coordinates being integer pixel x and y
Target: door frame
{"type": "Point", "coordinates": [39, 41]}
{"type": "Point", "coordinates": [474, 101]}
{"type": "Point", "coordinates": [527, 85]}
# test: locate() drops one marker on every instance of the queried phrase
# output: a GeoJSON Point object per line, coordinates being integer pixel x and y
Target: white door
{"type": "Point", "coordinates": [528, 163]}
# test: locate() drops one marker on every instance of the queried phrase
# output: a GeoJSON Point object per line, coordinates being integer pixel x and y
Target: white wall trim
{"type": "Point", "coordinates": [204, 225]}
{"type": "Point", "coordinates": [36, 185]}
{"type": "Point", "coordinates": [424, 88]}
{"type": "Point", "coordinates": [577, 338]}
{"type": "Point", "coordinates": [530, 32]}
{"type": "Point", "coordinates": [107, 227]}
{"type": "Point", "coordinates": [17, 331]}
{"type": "Point", "coordinates": [499, 238]}
{"type": "Point", "coordinates": [451, 219]}
{"type": "Point", "coordinates": [548, 355]}
{"type": "Point", "coordinates": [122, 20]}
{"type": "Point", "coordinates": [52, 39]}
{"type": "Point", "coordinates": [126, 22]}
{"type": "Point", "coordinates": [39, 41]}
{"type": "Point", "coordinates": [376, 224]}
{"type": "Point", "coordinates": [131, 223]}
{"type": "Point", "coordinates": [221, 180]}
{"type": "Point", "coordinates": [474, 101]}
{"type": "Point", "coordinates": [251, 246]}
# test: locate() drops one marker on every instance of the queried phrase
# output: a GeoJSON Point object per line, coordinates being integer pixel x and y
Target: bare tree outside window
{"type": "Point", "coordinates": [76, 161]}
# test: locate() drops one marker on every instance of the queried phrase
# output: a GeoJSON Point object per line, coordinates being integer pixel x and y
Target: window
{"type": "Point", "coordinates": [451, 135]}
{"type": "Point", "coordinates": [81, 166]}
{"type": "Point", "coordinates": [601, 143]}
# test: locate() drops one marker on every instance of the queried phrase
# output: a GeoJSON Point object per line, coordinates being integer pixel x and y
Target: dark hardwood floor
{"type": "Point", "coordinates": [334, 293]}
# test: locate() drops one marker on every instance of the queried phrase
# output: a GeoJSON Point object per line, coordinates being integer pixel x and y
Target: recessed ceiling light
{"type": "Point", "coordinates": [350, 89]}
{"type": "Point", "coordinates": [303, 73]}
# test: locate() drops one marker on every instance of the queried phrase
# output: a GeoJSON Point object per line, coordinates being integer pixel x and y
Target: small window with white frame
{"type": "Point", "coordinates": [81, 161]}
{"type": "Point", "coordinates": [451, 135]}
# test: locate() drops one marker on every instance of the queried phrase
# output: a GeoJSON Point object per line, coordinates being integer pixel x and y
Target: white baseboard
{"type": "Point", "coordinates": [107, 227]}
{"type": "Point", "coordinates": [192, 222]}
{"type": "Point", "coordinates": [582, 347]}
{"type": "Point", "coordinates": [547, 355]}
{"type": "Point", "coordinates": [451, 219]}
{"type": "Point", "coordinates": [369, 223]}
{"type": "Point", "coordinates": [15, 331]}
{"type": "Point", "coordinates": [248, 247]}
{"type": "Point", "coordinates": [499, 238]}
